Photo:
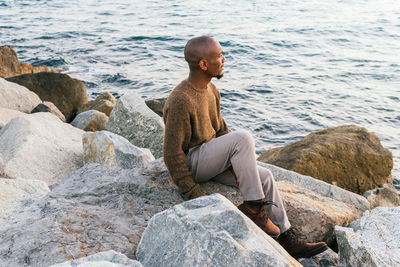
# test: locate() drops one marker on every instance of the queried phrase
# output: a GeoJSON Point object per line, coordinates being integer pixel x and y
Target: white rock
{"type": "Point", "coordinates": [39, 146]}
{"type": "Point", "coordinates": [319, 187]}
{"type": "Point", "coordinates": [8, 114]}
{"type": "Point", "coordinates": [15, 96]}
{"type": "Point", "coordinates": [208, 231]}
{"type": "Point", "coordinates": [107, 148]}
{"type": "Point", "coordinates": [372, 240]}
{"type": "Point", "coordinates": [102, 259]}
{"type": "Point", "coordinates": [91, 120]}
{"type": "Point", "coordinates": [16, 194]}
{"type": "Point", "coordinates": [134, 120]}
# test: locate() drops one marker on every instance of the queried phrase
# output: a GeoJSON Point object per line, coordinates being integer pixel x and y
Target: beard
{"type": "Point", "coordinates": [219, 76]}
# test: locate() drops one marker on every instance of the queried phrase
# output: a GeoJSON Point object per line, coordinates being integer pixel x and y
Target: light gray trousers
{"type": "Point", "coordinates": [213, 160]}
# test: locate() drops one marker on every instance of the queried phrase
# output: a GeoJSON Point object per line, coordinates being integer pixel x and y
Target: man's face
{"type": "Point", "coordinates": [215, 60]}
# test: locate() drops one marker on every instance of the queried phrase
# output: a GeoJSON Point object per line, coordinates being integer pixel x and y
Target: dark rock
{"type": "Point", "coordinates": [156, 105]}
{"type": "Point", "coordinates": [47, 106]}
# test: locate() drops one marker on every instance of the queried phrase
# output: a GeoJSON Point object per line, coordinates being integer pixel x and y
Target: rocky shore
{"type": "Point", "coordinates": [84, 184]}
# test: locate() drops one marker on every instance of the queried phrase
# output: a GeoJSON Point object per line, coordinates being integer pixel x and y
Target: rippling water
{"type": "Point", "coordinates": [292, 67]}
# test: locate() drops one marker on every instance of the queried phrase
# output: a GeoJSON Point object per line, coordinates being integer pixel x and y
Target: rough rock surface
{"type": "Point", "coordinates": [91, 120]}
{"type": "Point", "coordinates": [95, 209]}
{"type": "Point", "coordinates": [8, 114]}
{"type": "Point", "coordinates": [16, 194]}
{"type": "Point", "coordinates": [17, 97]}
{"type": "Point", "coordinates": [319, 187]}
{"type": "Point", "coordinates": [103, 103]}
{"type": "Point", "coordinates": [328, 258]}
{"type": "Point", "coordinates": [102, 259]}
{"type": "Point", "coordinates": [373, 240]}
{"type": "Point", "coordinates": [132, 119]}
{"type": "Point", "coordinates": [10, 66]}
{"type": "Point", "coordinates": [384, 196]}
{"type": "Point", "coordinates": [208, 231]}
{"type": "Point", "coordinates": [156, 105]}
{"type": "Point", "coordinates": [39, 146]}
{"type": "Point", "coordinates": [66, 93]}
{"type": "Point", "coordinates": [104, 147]}
{"type": "Point", "coordinates": [1, 125]}
{"type": "Point", "coordinates": [47, 106]}
{"type": "Point", "coordinates": [347, 156]}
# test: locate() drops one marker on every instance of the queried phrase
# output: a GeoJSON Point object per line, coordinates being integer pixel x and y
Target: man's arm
{"type": "Point", "coordinates": [176, 140]}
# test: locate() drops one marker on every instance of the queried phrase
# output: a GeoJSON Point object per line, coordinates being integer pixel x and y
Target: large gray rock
{"type": "Point", "coordinates": [66, 93]}
{"type": "Point", "coordinates": [102, 259]}
{"type": "Point", "coordinates": [319, 187]}
{"type": "Point", "coordinates": [39, 146]}
{"type": "Point", "coordinates": [8, 114]}
{"type": "Point", "coordinates": [373, 240]}
{"type": "Point", "coordinates": [132, 119]}
{"type": "Point", "coordinates": [15, 194]}
{"type": "Point", "coordinates": [104, 147]}
{"type": "Point", "coordinates": [91, 120]}
{"type": "Point", "coordinates": [328, 258]}
{"type": "Point", "coordinates": [208, 231]}
{"type": "Point", "coordinates": [17, 97]}
{"type": "Point", "coordinates": [96, 208]}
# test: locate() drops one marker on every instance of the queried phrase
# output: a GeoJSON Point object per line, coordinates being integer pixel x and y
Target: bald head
{"type": "Point", "coordinates": [197, 49]}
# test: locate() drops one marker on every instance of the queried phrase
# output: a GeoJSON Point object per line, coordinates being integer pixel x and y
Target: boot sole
{"type": "Point", "coordinates": [311, 253]}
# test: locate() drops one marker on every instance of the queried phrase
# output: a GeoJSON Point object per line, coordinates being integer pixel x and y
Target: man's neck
{"type": "Point", "coordinates": [199, 81]}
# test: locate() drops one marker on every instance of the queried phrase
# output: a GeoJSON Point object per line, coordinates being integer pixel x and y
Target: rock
{"type": "Point", "coordinates": [66, 93]}
{"type": "Point", "coordinates": [1, 125]}
{"type": "Point", "coordinates": [9, 64]}
{"type": "Point", "coordinates": [328, 258]}
{"type": "Point", "coordinates": [156, 105]}
{"type": "Point", "coordinates": [373, 240]}
{"type": "Point", "coordinates": [17, 97]}
{"type": "Point", "coordinates": [8, 114]}
{"type": "Point", "coordinates": [16, 194]}
{"type": "Point", "coordinates": [96, 208]}
{"type": "Point", "coordinates": [91, 120]}
{"type": "Point", "coordinates": [132, 119]}
{"type": "Point", "coordinates": [39, 146]}
{"type": "Point", "coordinates": [313, 216]}
{"type": "Point", "coordinates": [106, 259]}
{"type": "Point", "coordinates": [47, 106]}
{"type": "Point", "coordinates": [208, 231]}
{"type": "Point", "coordinates": [103, 103]}
{"type": "Point", "coordinates": [347, 156]}
{"type": "Point", "coordinates": [384, 196]}
{"type": "Point", "coordinates": [113, 150]}
{"type": "Point", "coordinates": [319, 187]}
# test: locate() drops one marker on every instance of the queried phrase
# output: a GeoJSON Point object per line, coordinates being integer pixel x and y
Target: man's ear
{"type": "Point", "coordinates": [203, 64]}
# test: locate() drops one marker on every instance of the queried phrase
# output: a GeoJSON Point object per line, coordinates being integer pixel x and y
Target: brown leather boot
{"type": "Point", "coordinates": [256, 212]}
{"type": "Point", "coordinates": [298, 248]}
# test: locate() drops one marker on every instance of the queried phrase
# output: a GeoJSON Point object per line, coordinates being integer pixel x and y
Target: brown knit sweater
{"type": "Point", "coordinates": [192, 117]}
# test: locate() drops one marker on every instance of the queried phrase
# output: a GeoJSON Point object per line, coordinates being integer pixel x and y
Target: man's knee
{"type": "Point", "coordinates": [243, 136]}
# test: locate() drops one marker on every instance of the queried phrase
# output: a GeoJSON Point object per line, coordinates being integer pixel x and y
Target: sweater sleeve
{"type": "Point", "coordinates": [176, 141]}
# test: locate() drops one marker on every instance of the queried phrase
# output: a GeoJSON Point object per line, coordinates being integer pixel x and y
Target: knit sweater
{"type": "Point", "coordinates": [192, 117]}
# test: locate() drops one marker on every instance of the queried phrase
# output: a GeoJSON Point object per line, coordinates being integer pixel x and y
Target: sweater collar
{"type": "Point", "coordinates": [197, 89]}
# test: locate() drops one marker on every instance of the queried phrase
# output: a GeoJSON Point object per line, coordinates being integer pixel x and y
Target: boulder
{"type": "Point", "coordinates": [103, 103]}
{"type": "Point", "coordinates": [39, 146]}
{"type": "Point", "coordinates": [96, 208]}
{"type": "Point", "coordinates": [132, 119]}
{"type": "Point", "coordinates": [66, 93]}
{"type": "Point", "coordinates": [17, 97]}
{"type": "Point", "coordinates": [208, 231]}
{"type": "Point", "coordinates": [47, 106]}
{"type": "Point", "coordinates": [8, 114]}
{"type": "Point", "coordinates": [319, 187]}
{"type": "Point", "coordinates": [328, 258]}
{"type": "Point", "coordinates": [347, 156]}
{"type": "Point", "coordinates": [113, 150]}
{"type": "Point", "coordinates": [91, 120]}
{"type": "Point", "coordinates": [384, 196]}
{"type": "Point", "coordinates": [156, 105]}
{"type": "Point", "coordinates": [106, 259]}
{"type": "Point", "coordinates": [16, 194]}
{"type": "Point", "coordinates": [1, 125]}
{"type": "Point", "coordinates": [10, 66]}
{"type": "Point", "coordinates": [373, 240]}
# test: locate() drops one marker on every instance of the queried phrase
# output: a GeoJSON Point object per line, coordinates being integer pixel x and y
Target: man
{"type": "Point", "coordinates": [199, 147]}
